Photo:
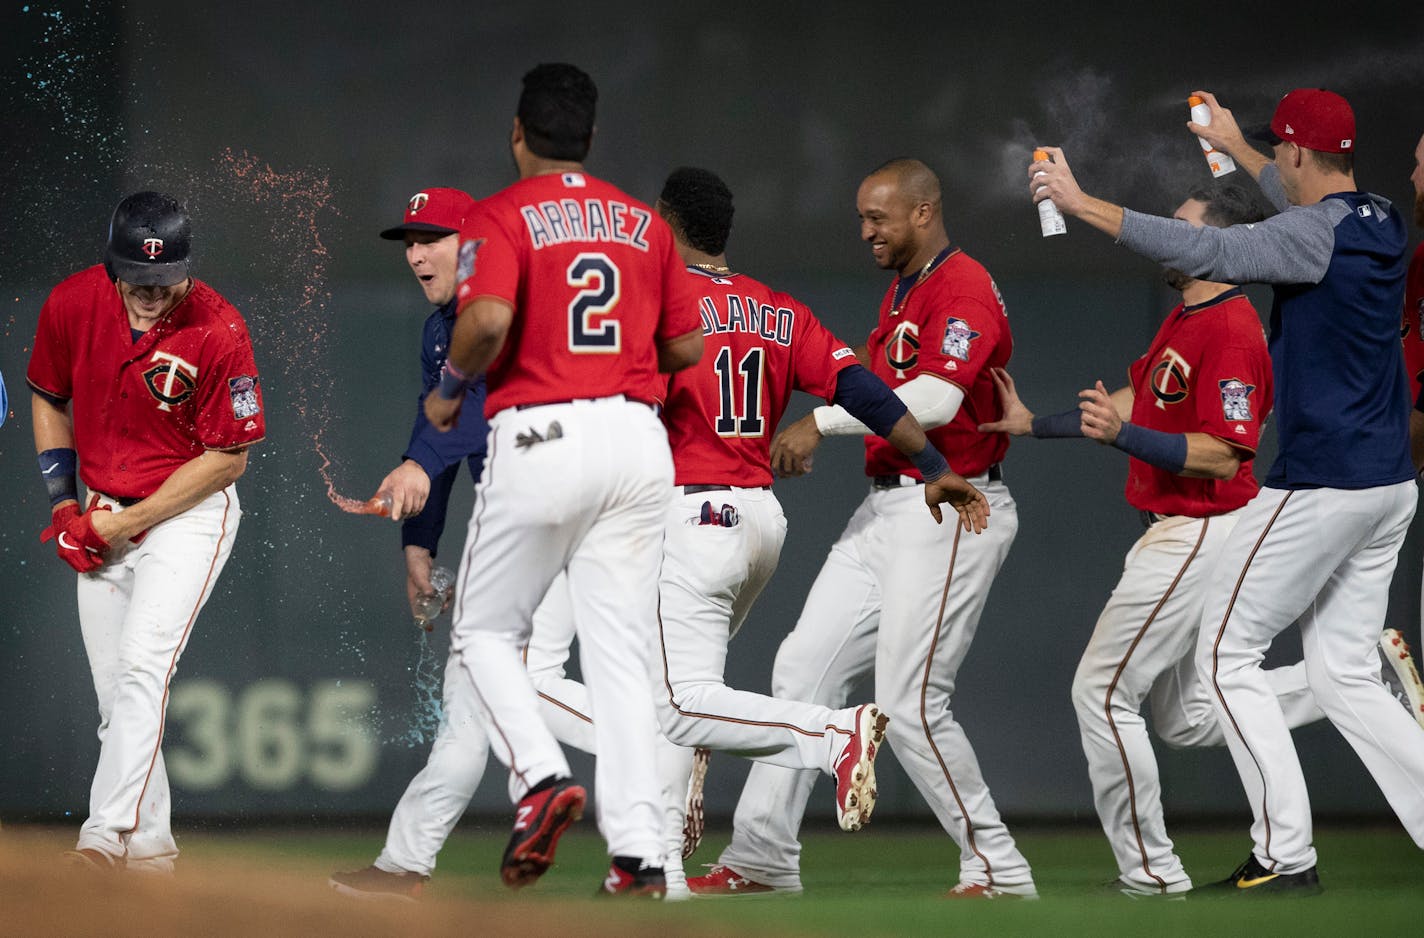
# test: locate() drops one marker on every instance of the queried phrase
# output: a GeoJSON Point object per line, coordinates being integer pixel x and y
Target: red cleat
{"type": "Point", "coordinates": [541, 818]}
{"type": "Point", "coordinates": [855, 769]}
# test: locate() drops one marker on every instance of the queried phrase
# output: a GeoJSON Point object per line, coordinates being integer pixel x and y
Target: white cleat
{"type": "Point", "coordinates": [854, 768]}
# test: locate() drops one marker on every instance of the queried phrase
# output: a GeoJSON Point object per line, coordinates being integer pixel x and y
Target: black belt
{"type": "Point", "coordinates": [1149, 518]}
{"type": "Point", "coordinates": [125, 502]}
{"type": "Point", "coordinates": [573, 400]}
{"type": "Point", "coordinates": [995, 473]}
{"type": "Point", "coordinates": [699, 489]}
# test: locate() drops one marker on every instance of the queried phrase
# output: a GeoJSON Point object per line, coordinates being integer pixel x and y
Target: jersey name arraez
{"type": "Point", "coordinates": [592, 220]}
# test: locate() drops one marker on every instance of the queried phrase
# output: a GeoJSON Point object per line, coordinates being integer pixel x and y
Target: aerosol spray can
{"type": "Point", "coordinates": [1050, 219]}
{"type": "Point", "coordinates": [1220, 163]}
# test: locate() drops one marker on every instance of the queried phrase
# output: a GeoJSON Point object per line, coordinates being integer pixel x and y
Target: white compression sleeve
{"type": "Point", "coordinates": [933, 402]}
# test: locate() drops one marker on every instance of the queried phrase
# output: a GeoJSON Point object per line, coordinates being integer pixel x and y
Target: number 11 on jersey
{"type": "Point", "coordinates": [746, 420]}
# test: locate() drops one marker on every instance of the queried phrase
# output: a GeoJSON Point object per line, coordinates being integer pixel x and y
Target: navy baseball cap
{"type": "Point", "coordinates": [442, 211]}
{"type": "Point", "coordinates": [1313, 118]}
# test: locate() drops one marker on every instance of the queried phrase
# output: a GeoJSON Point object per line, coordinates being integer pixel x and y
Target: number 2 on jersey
{"type": "Point", "coordinates": [596, 278]}
{"type": "Point", "coordinates": [746, 420]}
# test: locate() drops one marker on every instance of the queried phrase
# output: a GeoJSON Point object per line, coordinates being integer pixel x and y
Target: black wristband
{"type": "Point", "coordinates": [1068, 423]}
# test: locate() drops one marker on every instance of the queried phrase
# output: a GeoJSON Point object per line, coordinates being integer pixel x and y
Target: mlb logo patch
{"type": "Point", "coordinates": [957, 339]}
{"type": "Point", "coordinates": [243, 390]}
{"type": "Point", "coordinates": [1236, 399]}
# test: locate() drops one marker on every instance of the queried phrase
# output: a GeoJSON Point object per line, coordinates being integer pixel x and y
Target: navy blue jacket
{"type": "Point", "coordinates": [440, 454]}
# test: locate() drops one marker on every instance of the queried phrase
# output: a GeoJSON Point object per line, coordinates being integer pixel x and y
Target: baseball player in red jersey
{"type": "Point", "coordinates": [1406, 680]}
{"type": "Point", "coordinates": [1206, 381]}
{"type": "Point", "coordinates": [144, 378]}
{"type": "Point", "coordinates": [898, 595]}
{"type": "Point", "coordinates": [572, 299]}
{"type": "Point", "coordinates": [724, 526]}
{"type": "Point", "coordinates": [420, 487]}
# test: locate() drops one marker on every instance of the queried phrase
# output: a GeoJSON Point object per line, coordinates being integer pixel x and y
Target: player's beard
{"type": "Point", "coordinates": [1419, 208]}
{"type": "Point", "coordinates": [1175, 279]}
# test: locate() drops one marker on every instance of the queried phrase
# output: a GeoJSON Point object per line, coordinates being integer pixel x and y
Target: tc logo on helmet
{"type": "Point", "coordinates": [152, 247]}
{"type": "Point", "coordinates": [417, 202]}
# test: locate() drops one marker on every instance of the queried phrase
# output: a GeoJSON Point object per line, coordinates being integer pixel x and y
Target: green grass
{"type": "Point", "coordinates": [888, 881]}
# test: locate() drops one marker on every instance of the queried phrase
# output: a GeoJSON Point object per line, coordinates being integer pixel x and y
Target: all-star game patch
{"type": "Point", "coordinates": [957, 337]}
{"type": "Point", "coordinates": [1236, 399]}
{"type": "Point", "coordinates": [243, 390]}
{"type": "Point", "coordinates": [465, 264]}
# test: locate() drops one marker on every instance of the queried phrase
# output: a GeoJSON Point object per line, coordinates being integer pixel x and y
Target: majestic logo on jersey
{"type": "Point", "coordinates": [1169, 379]}
{"type": "Point", "coordinates": [152, 247]}
{"type": "Point", "coordinates": [1236, 399]}
{"type": "Point", "coordinates": [465, 266]}
{"type": "Point", "coordinates": [172, 380]}
{"type": "Point", "coordinates": [902, 351]}
{"type": "Point", "coordinates": [957, 336]}
{"type": "Point", "coordinates": [418, 201]}
{"type": "Point", "coordinates": [243, 390]}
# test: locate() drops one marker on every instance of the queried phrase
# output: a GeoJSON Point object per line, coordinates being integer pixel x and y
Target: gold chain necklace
{"type": "Point", "coordinates": [713, 268]}
{"type": "Point", "coordinates": [930, 265]}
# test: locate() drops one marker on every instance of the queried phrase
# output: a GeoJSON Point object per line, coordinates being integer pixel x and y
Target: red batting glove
{"type": "Point", "coordinates": [76, 541]}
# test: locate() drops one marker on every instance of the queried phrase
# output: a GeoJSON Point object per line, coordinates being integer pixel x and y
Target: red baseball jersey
{"type": "Point", "coordinates": [143, 407]}
{"type": "Point", "coordinates": [1207, 371]}
{"type": "Point", "coordinates": [1411, 328]}
{"type": "Point", "coordinates": [759, 346]}
{"type": "Point", "coordinates": [950, 323]}
{"type": "Point", "coordinates": [595, 282]}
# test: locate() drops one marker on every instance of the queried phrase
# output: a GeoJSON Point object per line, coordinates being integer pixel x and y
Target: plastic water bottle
{"type": "Point", "coordinates": [1220, 163]}
{"type": "Point", "coordinates": [1050, 219]}
{"type": "Point", "coordinates": [428, 606]}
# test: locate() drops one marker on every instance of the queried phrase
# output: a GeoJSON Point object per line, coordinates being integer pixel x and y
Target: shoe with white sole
{"type": "Point", "coordinates": [854, 768]}
{"type": "Point", "coordinates": [1400, 675]}
{"type": "Point", "coordinates": [725, 882]}
{"type": "Point", "coordinates": [996, 891]}
{"type": "Point", "coordinates": [378, 885]}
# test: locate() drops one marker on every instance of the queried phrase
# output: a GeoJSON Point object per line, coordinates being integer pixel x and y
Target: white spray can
{"type": "Point", "coordinates": [1220, 163]}
{"type": "Point", "coordinates": [1050, 219]}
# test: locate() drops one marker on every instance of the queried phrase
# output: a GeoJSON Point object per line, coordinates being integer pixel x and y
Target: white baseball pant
{"type": "Point", "coordinates": [587, 497]}
{"type": "Point", "coordinates": [437, 797]}
{"type": "Point", "coordinates": [1322, 558]}
{"type": "Point", "coordinates": [900, 595]}
{"type": "Point", "coordinates": [1143, 648]}
{"type": "Point", "coordinates": [712, 573]}
{"type": "Point", "coordinates": [136, 613]}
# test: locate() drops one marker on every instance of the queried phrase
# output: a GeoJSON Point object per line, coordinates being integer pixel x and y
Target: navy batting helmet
{"type": "Point", "coordinates": [149, 240]}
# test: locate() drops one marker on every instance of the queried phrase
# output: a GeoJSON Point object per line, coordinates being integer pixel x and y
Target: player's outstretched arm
{"type": "Point", "coordinates": [1017, 419]}
{"type": "Point", "coordinates": [1224, 134]}
{"type": "Point", "coordinates": [681, 352]}
{"type": "Point", "coordinates": [953, 489]}
{"type": "Point", "coordinates": [479, 335]}
{"type": "Point", "coordinates": [408, 486]}
{"type": "Point", "coordinates": [793, 447]}
{"type": "Point", "coordinates": [1053, 179]}
{"type": "Point", "coordinates": [199, 477]}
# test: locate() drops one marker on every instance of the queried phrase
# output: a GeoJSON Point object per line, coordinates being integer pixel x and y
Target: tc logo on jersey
{"type": "Point", "coordinates": [957, 336]}
{"type": "Point", "coordinates": [902, 351]}
{"type": "Point", "coordinates": [172, 381]}
{"type": "Point", "coordinates": [243, 390]}
{"type": "Point", "coordinates": [417, 202]}
{"type": "Point", "coordinates": [152, 247]}
{"type": "Point", "coordinates": [1169, 379]}
{"type": "Point", "coordinates": [1236, 399]}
